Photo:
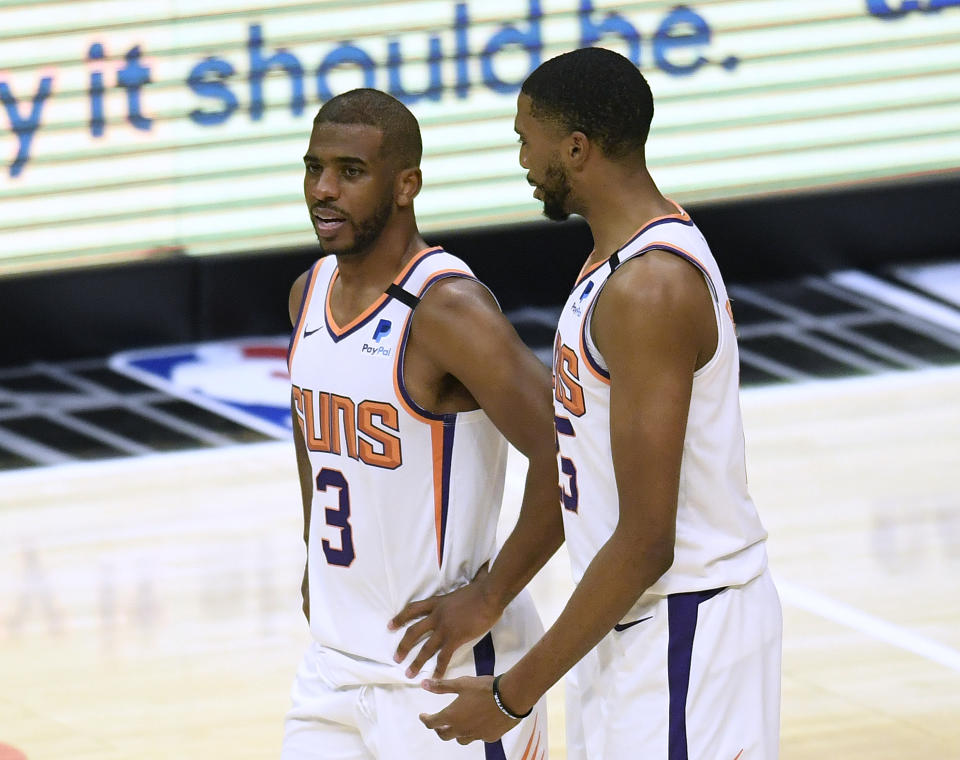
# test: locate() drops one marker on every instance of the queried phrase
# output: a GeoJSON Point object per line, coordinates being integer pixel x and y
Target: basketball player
{"type": "Point", "coordinates": [406, 380]}
{"type": "Point", "coordinates": [673, 632]}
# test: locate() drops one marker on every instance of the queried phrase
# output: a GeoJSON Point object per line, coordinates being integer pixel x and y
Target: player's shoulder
{"type": "Point", "coordinates": [457, 295]}
{"type": "Point", "coordinates": [297, 291]}
{"type": "Point", "coordinates": [655, 277]}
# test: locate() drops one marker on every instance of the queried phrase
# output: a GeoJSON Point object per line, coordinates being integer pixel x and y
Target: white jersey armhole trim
{"type": "Point", "coordinates": [718, 312]}
{"type": "Point", "coordinates": [465, 417]}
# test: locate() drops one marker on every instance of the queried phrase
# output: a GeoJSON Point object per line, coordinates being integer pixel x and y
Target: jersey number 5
{"type": "Point", "coordinates": [569, 496]}
{"type": "Point", "coordinates": [338, 517]}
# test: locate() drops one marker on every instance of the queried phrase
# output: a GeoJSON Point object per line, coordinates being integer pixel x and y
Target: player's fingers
{"type": "Point", "coordinates": [446, 733]}
{"type": "Point", "coordinates": [416, 632]}
{"type": "Point", "coordinates": [410, 612]}
{"type": "Point", "coordinates": [443, 660]}
{"type": "Point", "coordinates": [428, 650]}
{"type": "Point", "coordinates": [433, 721]}
{"type": "Point", "coordinates": [465, 740]}
{"type": "Point", "coordinates": [441, 686]}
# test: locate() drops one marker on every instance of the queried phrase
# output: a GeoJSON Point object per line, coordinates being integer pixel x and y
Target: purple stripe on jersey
{"type": "Point", "coordinates": [449, 427]}
{"type": "Point", "coordinates": [484, 657]}
{"type": "Point", "coordinates": [682, 624]}
{"type": "Point", "coordinates": [337, 337]}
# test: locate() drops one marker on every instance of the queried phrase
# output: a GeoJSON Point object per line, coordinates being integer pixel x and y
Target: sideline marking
{"type": "Point", "coordinates": [877, 628]}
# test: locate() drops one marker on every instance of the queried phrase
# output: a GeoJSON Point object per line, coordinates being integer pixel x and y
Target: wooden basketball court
{"type": "Point", "coordinates": [149, 607]}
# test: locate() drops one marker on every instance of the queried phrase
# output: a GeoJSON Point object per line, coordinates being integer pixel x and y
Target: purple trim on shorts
{"type": "Point", "coordinates": [449, 428]}
{"type": "Point", "coordinates": [484, 657]}
{"type": "Point", "coordinates": [682, 623]}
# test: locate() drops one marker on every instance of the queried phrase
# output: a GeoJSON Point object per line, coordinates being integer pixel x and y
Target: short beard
{"type": "Point", "coordinates": [366, 233]}
{"type": "Point", "coordinates": [556, 190]}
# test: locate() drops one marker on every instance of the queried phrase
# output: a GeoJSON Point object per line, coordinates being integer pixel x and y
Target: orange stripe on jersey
{"type": "Point", "coordinates": [533, 733]}
{"type": "Point", "coordinates": [302, 318]}
{"type": "Point", "coordinates": [337, 329]}
{"type": "Point", "coordinates": [436, 443]}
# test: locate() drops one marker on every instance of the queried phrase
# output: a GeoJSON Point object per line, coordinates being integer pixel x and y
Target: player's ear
{"type": "Point", "coordinates": [577, 148]}
{"type": "Point", "coordinates": [407, 186]}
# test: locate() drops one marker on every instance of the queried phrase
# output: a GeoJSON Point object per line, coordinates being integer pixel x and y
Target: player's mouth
{"type": "Point", "coordinates": [537, 190]}
{"type": "Point", "coordinates": [327, 221]}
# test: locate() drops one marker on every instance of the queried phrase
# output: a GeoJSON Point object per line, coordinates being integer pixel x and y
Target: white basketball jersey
{"type": "Point", "coordinates": [719, 538]}
{"type": "Point", "coordinates": [406, 502]}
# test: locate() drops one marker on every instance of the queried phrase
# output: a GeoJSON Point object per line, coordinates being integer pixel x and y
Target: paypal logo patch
{"type": "Point", "coordinates": [382, 331]}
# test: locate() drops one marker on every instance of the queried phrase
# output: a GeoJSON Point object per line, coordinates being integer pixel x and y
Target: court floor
{"type": "Point", "coordinates": [149, 605]}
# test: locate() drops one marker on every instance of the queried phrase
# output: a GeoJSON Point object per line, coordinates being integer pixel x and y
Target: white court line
{"type": "Point", "coordinates": [874, 627]}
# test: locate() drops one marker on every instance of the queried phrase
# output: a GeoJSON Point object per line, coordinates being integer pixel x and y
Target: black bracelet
{"type": "Point", "coordinates": [499, 700]}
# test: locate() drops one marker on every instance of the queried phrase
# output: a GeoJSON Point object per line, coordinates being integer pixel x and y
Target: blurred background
{"type": "Point", "coordinates": [152, 222]}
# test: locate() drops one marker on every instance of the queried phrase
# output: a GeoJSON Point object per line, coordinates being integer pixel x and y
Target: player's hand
{"type": "Point", "coordinates": [472, 716]}
{"type": "Point", "coordinates": [447, 622]}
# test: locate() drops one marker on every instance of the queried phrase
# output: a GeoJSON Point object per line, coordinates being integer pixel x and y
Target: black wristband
{"type": "Point", "coordinates": [499, 700]}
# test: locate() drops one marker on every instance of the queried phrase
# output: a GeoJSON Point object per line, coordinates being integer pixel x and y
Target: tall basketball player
{"type": "Point", "coordinates": [673, 633]}
{"type": "Point", "coordinates": [407, 384]}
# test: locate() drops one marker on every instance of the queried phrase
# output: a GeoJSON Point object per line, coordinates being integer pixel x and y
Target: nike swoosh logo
{"type": "Point", "coordinates": [624, 626]}
{"type": "Point", "coordinates": [307, 333]}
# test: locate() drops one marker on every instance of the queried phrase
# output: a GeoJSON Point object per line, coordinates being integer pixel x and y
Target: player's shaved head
{"type": "Point", "coordinates": [401, 132]}
{"type": "Point", "coordinates": [597, 92]}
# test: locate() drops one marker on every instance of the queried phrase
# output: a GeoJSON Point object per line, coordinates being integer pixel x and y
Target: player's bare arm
{"type": "Point", "coordinates": [300, 446]}
{"type": "Point", "coordinates": [654, 326]}
{"type": "Point", "coordinates": [463, 353]}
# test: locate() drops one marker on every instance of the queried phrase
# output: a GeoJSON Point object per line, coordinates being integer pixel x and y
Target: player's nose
{"type": "Point", "coordinates": [324, 186]}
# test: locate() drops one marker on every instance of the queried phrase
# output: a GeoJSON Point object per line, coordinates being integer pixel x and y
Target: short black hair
{"type": "Point", "coordinates": [597, 92]}
{"type": "Point", "coordinates": [401, 132]}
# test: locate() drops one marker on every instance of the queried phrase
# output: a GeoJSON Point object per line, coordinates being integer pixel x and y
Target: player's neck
{"type": "Point", "coordinates": [363, 277]}
{"type": "Point", "coordinates": [619, 206]}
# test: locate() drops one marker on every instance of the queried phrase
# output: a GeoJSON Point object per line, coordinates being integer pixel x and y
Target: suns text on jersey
{"type": "Point", "coordinates": [332, 424]}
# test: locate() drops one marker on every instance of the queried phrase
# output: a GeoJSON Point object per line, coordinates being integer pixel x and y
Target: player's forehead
{"type": "Point", "coordinates": [331, 141]}
{"type": "Point", "coordinates": [523, 116]}
{"type": "Point", "coordinates": [528, 125]}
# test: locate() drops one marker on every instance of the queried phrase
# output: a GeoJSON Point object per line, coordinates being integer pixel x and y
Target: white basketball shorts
{"type": "Point", "coordinates": [696, 677]}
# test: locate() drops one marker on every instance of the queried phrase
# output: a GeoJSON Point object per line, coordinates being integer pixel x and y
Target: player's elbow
{"type": "Point", "coordinates": [651, 556]}
{"type": "Point", "coordinates": [662, 559]}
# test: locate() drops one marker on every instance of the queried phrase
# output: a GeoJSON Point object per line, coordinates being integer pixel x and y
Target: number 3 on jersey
{"type": "Point", "coordinates": [569, 495]}
{"type": "Point", "coordinates": [337, 517]}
